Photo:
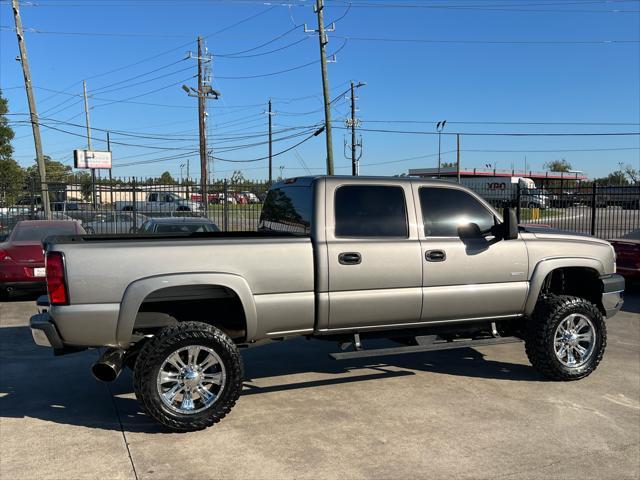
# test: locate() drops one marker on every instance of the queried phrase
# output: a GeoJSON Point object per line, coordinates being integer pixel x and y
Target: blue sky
{"type": "Point", "coordinates": [450, 73]}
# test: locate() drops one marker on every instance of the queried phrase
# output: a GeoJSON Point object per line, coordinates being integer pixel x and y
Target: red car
{"type": "Point", "coordinates": [22, 257]}
{"type": "Point", "coordinates": [628, 255]}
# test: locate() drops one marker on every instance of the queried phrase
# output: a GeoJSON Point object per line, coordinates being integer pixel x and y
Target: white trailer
{"type": "Point", "coordinates": [504, 190]}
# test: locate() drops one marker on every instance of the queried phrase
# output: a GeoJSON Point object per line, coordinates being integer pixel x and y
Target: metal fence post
{"type": "Point", "coordinates": [225, 206]}
{"type": "Point", "coordinates": [135, 206]}
{"type": "Point", "coordinates": [518, 201]}
{"type": "Point", "coordinates": [594, 197]}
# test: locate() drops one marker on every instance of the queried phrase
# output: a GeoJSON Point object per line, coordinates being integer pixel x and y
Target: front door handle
{"type": "Point", "coordinates": [350, 258]}
{"type": "Point", "coordinates": [435, 256]}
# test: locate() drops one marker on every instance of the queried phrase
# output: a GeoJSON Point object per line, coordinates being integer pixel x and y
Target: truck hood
{"type": "Point", "coordinates": [555, 234]}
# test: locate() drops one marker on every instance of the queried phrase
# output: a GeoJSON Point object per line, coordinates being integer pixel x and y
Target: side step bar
{"type": "Point", "coordinates": [428, 347]}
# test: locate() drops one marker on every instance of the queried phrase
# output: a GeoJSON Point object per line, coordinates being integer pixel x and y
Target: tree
{"type": "Point", "coordinates": [237, 177]}
{"type": "Point", "coordinates": [166, 179]}
{"type": "Point", "coordinates": [448, 165]}
{"type": "Point", "coordinates": [633, 174]}
{"type": "Point", "coordinates": [558, 166]}
{"type": "Point", "coordinates": [56, 171]}
{"type": "Point", "coordinates": [614, 178]}
{"type": "Point", "coordinates": [11, 174]}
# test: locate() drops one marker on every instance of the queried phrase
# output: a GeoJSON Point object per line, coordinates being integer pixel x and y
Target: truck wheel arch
{"type": "Point", "coordinates": [547, 266]}
{"type": "Point", "coordinates": [136, 293]}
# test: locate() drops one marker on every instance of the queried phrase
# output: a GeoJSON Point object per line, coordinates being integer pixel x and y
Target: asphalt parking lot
{"type": "Point", "coordinates": [457, 414]}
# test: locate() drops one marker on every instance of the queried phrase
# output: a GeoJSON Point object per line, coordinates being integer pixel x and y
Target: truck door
{"type": "Point", "coordinates": [375, 272]}
{"type": "Point", "coordinates": [467, 275]}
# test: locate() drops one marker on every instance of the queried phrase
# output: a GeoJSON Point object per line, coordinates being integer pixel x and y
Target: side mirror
{"type": "Point", "coordinates": [469, 231]}
{"type": "Point", "coordinates": [510, 224]}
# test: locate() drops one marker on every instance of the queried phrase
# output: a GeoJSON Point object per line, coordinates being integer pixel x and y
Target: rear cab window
{"type": "Point", "coordinates": [288, 208]}
{"type": "Point", "coordinates": [370, 211]}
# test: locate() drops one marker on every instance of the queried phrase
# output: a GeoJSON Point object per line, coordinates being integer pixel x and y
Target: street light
{"type": "Point", "coordinates": [439, 128]}
{"type": "Point", "coordinates": [182, 165]}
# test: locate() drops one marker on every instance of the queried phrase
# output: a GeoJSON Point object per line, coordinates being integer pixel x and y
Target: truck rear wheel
{"type": "Point", "coordinates": [566, 337]}
{"type": "Point", "coordinates": [189, 376]}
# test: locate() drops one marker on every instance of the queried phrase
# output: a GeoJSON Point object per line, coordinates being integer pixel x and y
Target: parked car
{"type": "Point", "coordinates": [251, 197]}
{"type": "Point", "coordinates": [158, 202]}
{"type": "Point", "coordinates": [22, 265]}
{"type": "Point", "coordinates": [628, 254]}
{"type": "Point", "coordinates": [12, 221]}
{"type": "Point", "coordinates": [178, 225]}
{"type": "Point", "coordinates": [346, 259]}
{"type": "Point", "coordinates": [115, 222]}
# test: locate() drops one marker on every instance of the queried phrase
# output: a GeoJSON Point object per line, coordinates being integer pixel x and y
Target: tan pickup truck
{"type": "Point", "coordinates": [429, 265]}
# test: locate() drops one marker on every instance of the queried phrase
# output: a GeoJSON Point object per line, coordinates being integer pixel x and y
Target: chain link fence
{"type": "Point", "coordinates": [135, 205]}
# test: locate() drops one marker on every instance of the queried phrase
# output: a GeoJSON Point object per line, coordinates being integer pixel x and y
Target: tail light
{"type": "Point", "coordinates": [56, 282]}
{"type": "Point", "coordinates": [5, 256]}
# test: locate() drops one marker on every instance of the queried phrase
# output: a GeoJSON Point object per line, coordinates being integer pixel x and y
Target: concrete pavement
{"type": "Point", "coordinates": [457, 414]}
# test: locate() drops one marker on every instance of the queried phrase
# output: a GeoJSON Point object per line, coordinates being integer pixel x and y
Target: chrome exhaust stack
{"type": "Point", "coordinates": [108, 368]}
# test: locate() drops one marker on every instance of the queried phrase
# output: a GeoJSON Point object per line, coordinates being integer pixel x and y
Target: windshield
{"type": "Point", "coordinates": [186, 228]}
{"type": "Point", "coordinates": [40, 232]}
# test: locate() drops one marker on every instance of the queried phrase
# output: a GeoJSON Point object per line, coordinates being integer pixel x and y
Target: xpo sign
{"type": "Point", "coordinates": [91, 159]}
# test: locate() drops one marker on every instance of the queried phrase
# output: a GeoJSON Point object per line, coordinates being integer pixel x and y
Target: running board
{"type": "Point", "coordinates": [429, 347]}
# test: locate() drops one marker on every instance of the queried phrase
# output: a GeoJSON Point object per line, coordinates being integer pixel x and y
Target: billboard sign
{"type": "Point", "coordinates": [91, 159]}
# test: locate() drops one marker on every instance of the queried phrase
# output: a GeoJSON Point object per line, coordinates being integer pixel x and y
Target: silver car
{"type": "Point", "coordinates": [115, 222]}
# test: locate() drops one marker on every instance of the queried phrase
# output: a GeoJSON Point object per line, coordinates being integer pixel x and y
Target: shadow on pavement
{"type": "Point", "coordinates": [33, 383]}
{"type": "Point", "coordinates": [21, 296]}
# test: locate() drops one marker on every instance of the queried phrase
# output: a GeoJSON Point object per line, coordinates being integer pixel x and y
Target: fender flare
{"type": "Point", "coordinates": [138, 290]}
{"type": "Point", "coordinates": [547, 265]}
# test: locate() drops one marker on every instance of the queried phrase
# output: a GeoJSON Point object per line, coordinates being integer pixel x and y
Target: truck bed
{"type": "Point", "coordinates": [276, 271]}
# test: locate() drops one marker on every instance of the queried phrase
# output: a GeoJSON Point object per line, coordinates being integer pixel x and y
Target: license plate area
{"type": "Point", "coordinates": [39, 272]}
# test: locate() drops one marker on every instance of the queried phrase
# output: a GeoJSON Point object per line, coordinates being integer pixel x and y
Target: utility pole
{"type": "Point", "coordinates": [322, 36]}
{"type": "Point", "coordinates": [458, 156]}
{"type": "Point", "coordinates": [204, 92]}
{"type": "Point", "coordinates": [270, 113]}
{"type": "Point", "coordinates": [202, 131]}
{"type": "Point", "coordinates": [110, 177]}
{"type": "Point", "coordinates": [35, 126]}
{"type": "Point", "coordinates": [86, 119]}
{"type": "Point", "coordinates": [353, 123]}
{"type": "Point", "coordinates": [439, 128]}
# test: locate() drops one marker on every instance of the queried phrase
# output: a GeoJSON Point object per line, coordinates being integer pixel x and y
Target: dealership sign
{"type": "Point", "coordinates": [91, 159]}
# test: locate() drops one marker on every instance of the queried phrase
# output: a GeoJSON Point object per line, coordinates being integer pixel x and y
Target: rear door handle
{"type": "Point", "coordinates": [350, 258]}
{"type": "Point", "coordinates": [435, 256]}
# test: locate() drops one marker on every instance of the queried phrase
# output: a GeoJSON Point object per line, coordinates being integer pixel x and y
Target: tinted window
{"type": "Point", "coordinates": [186, 228]}
{"type": "Point", "coordinates": [445, 209]}
{"type": "Point", "coordinates": [370, 211]}
{"type": "Point", "coordinates": [287, 209]}
{"type": "Point", "coordinates": [40, 232]}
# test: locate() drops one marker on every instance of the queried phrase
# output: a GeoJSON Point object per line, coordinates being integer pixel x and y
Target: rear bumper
{"type": "Point", "coordinates": [46, 334]}
{"type": "Point", "coordinates": [44, 331]}
{"type": "Point", "coordinates": [612, 292]}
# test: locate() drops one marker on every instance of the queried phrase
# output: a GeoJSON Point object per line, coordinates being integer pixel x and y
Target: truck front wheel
{"type": "Point", "coordinates": [189, 376]}
{"type": "Point", "coordinates": [566, 337]}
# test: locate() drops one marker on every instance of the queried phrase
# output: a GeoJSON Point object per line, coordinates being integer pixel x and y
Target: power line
{"type": "Point", "coordinates": [257, 47]}
{"type": "Point", "coordinates": [503, 134]}
{"type": "Point", "coordinates": [504, 122]}
{"type": "Point", "coordinates": [280, 72]}
{"type": "Point", "coordinates": [489, 42]}
{"type": "Point", "coordinates": [279, 49]}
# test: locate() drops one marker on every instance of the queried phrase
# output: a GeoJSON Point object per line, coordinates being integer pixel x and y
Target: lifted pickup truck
{"type": "Point", "coordinates": [427, 264]}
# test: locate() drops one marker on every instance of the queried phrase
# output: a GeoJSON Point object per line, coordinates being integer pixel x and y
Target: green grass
{"type": "Point", "coordinates": [527, 214]}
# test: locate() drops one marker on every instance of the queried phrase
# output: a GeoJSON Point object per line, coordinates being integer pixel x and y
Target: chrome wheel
{"type": "Point", "coordinates": [191, 379]}
{"type": "Point", "coordinates": [574, 340]}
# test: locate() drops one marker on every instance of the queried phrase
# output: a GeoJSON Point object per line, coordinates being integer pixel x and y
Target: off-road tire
{"type": "Point", "coordinates": [540, 330]}
{"type": "Point", "coordinates": [154, 353]}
